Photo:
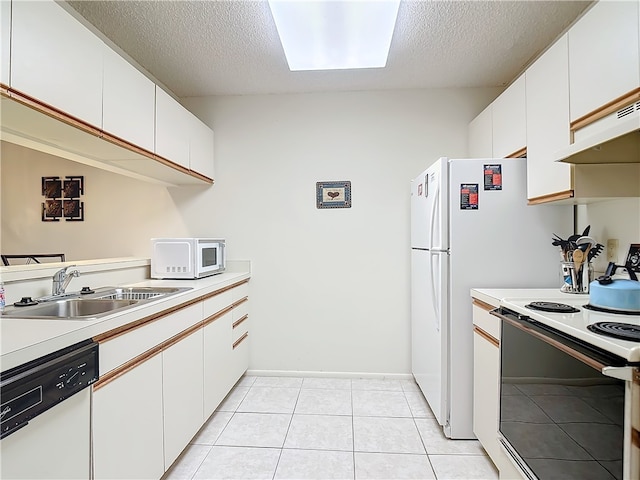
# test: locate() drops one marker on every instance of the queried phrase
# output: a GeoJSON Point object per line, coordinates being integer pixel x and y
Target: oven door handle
{"type": "Point", "coordinates": [621, 373]}
{"type": "Point", "coordinates": [523, 323]}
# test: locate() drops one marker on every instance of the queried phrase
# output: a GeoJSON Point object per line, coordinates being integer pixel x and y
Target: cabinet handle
{"type": "Point", "coordinates": [239, 321]}
{"type": "Point", "coordinates": [240, 340]}
{"type": "Point", "coordinates": [486, 336]}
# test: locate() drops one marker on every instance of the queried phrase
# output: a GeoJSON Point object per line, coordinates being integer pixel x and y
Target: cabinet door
{"type": "Point", "coordinates": [509, 120]}
{"type": "Point", "coordinates": [604, 55]}
{"type": "Point", "coordinates": [486, 365]}
{"type": "Point", "coordinates": [201, 147]}
{"type": "Point", "coordinates": [547, 113]}
{"type": "Point", "coordinates": [55, 59]}
{"type": "Point", "coordinates": [5, 40]}
{"type": "Point", "coordinates": [481, 135]}
{"type": "Point", "coordinates": [127, 424]}
{"type": "Point", "coordinates": [172, 129]}
{"type": "Point", "coordinates": [129, 102]}
{"type": "Point", "coordinates": [182, 394]}
{"type": "Point", "coordinates": [218, 377]}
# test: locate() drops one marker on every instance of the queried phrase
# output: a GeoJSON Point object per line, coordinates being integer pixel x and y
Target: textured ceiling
{"type": "Point", "coordinates": [220, 47]}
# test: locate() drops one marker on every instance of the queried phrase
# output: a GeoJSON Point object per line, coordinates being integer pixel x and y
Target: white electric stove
{"type": "Point", "coordinates": [576, 323]}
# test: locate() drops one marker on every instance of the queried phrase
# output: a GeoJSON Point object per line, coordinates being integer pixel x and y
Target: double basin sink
{"type": "Point", "coordinates": [103, 301]}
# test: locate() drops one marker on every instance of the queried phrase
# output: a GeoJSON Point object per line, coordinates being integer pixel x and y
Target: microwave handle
{"type": "Point", "coordinates": [621, 373]}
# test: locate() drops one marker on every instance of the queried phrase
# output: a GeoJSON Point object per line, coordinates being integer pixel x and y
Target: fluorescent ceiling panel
{"type": "Point", "coordinates": [335, 34]}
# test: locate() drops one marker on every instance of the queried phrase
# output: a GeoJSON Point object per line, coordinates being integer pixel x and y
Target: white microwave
{"type": "Point", "coordinates": [187, 257]}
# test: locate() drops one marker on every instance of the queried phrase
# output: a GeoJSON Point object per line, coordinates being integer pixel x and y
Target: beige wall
{"type": "Point", "coordinates": [121, 213]}
{"type": "Point", "coordinates": [330, 288]}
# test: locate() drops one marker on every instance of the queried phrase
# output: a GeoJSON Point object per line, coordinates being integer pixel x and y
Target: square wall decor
{"type": "Point", "coordinates": [333, 194]}
{"type": "Point", "coordinates": [62, 199]}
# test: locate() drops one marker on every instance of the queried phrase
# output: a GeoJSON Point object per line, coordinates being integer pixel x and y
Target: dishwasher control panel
{"type": "Point", "coordinates": [34, 387]}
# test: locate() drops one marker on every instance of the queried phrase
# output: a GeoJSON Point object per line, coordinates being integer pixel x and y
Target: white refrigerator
{"type": "Point", "coordinates": [471, 227]}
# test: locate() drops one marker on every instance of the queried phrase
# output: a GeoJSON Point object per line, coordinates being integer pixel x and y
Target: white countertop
{"type": "Point", "coordinates": [22, 340]}
{"type": "Point", "coordinates": [493, 296]}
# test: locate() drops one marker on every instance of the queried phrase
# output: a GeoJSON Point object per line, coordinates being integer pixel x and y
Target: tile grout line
{"type": "Point", "coordinates": [288, 428]}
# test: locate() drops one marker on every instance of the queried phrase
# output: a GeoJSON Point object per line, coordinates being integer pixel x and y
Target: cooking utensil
{"type": "Point", "coordinates": [578, 258]}
{"type": "Point", "coordinates": [595, 251]}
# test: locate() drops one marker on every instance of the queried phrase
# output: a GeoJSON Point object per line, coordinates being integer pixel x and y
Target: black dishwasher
{"type": "Point", "coordinates": [34, 387]}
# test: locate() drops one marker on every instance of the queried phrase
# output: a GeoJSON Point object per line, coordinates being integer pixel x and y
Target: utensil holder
{"type": "Point", "coordinates": [576, 281]}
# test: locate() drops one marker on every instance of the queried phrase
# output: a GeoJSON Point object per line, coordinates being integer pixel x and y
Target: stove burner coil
{"type": "Point", "coordinates": [552, 307]}
{"type": "Point", "coordinates": [623, 331]}
{"type": "Point", "coordinates": [595, 308]}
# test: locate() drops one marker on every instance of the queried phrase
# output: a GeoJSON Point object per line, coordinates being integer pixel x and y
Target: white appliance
{"type": "Point", "coordinates": [187, 258]}
{"type": "Point", "coordinates": [567, 369]}
{"type": "Point", "coordinates": [471, 227]}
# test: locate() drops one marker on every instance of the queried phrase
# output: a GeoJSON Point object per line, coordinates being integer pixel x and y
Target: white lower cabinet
{"type": "Point", "coordinates": [182, 394]}
{"type": "Point", "coordinates": [218, 377]}
{"type": "Point", "coordinates": [161, 380]}
{"type": "Point", "coordinates": [486, 386]}
{"type": "Point", "coordinates": [127, 424]}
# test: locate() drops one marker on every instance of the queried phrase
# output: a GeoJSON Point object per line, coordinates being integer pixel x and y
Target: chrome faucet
{"type": "Point", "coordinates": [62, 278]}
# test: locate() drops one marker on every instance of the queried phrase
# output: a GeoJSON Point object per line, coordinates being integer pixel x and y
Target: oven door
{"type": "Point", "coordinates": [561, 417]}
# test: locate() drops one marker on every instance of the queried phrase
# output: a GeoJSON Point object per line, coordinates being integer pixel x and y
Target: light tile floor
{"type": "Point", "coordinates": [327, 428]}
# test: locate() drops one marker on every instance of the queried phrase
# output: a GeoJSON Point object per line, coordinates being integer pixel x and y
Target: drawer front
{"type": "Point", "coordinates": [485, 321]}
{"type": "Point", "coordinates": [218, 302]}
{"type": "Point", "coordinates": [241, 310]}
{"type": "Point", "coordinates": [240, 291]}
{"type": "Point", "coordinates": [239, 328]}
{"type": "Point", "coordinates": [118, 350]}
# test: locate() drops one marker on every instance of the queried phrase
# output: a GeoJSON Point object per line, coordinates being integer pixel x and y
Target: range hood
{"type": "Point", "coordinates": [618, 142]}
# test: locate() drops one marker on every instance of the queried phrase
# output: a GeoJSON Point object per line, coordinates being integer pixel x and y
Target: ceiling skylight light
{"type": "Point", "coordinates": [335, 34]}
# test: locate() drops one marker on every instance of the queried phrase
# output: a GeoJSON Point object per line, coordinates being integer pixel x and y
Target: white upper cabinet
{"type": "Point", "coordinates": [172, 129]}
{"type": "Point", "coordinates": [201, 147]}
{"type": "Point", "coordinates": [509, 121]}
{"type": "Point", "coordinates": [55, 59]}
{"type": "Point", "coordinates": [604, 56]}
{"type": "Point", "coordinates": [129, 102]}
{"type": "Point", "coordinates": [547, 114]}
{"type": "Point", "coordinates": [5, 40]}
{"type": "Point", "coordinates": [481, 135]}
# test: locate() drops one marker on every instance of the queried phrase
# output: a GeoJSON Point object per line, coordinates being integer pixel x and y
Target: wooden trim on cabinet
{"type": "Point", "coordinates": [116, 332]}
{"type": "Point", "coordinates": [53, 112]}
{"type": "Point", "coordinates": [518, 153]}
{"type": "Point", "coordinates": [64, 117]}
{"type": "Point", "coordinates": [490, 338]}
{"type": "Point", "coordinates": [635, 437]}
{"type": "Point", "coordinates": [552, 197]}
{"type": "Point", "coordinates": [240, 340]}
{"type": "Point", "coordinates": [227, 288]}
{"type": "Point", "coordinates": [182, 335]}
{"type": "Point", "coordinates": [482, 305]}
{"type": "Point", "coordinates": [126, 367]}
{"type": "Point", "coordinates": [606, 109]}
{"type": "Point", "coordinates": [217, 315]}
{"type": "Point", "coordinates": [239, 321]}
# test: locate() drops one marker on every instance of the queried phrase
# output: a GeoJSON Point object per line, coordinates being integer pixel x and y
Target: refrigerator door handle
{"type": "Point", "coordinates": [434, 301]}
{"type": "Point", "coordinates": [434, 205]}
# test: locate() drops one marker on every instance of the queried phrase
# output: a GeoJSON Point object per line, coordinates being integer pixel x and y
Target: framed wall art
{"type": "Point", "coordinates": [62, 199]}
{"type": "Point", "coordinates": [333, 194]}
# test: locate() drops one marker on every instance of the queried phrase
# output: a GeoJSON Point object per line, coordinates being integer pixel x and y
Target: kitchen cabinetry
{"type": "Point", "coordinates": [182, 391]}
{"type": "Point", "coordinates": [5, 41]}
{"type": "Point", "coordinates": [127, 423]}
{"type": "Point", "coordinates": [547, 119]}
{"type": "Point", "coordinates": [128, 102]}
{"type": "Point", "coordinates": [604, 56]}
{"type": "Point", "coordinates": [172, 129]}
{"type": "Point", "coordinates": [509, 121]}
{"type": "Point", "coordinates": [165, 374]}
{"type": "Point", "coordinates": [56, 60]}
{"type": "Point", "coordinates": [200, 147]}
{"type": "Point", "coordinates": [481, 135]}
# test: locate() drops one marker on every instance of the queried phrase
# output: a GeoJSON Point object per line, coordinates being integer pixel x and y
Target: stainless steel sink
{"type": "Point", "coordinates": [103, 301]}
{"type": "Point", "coordinates": [71, 308]}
